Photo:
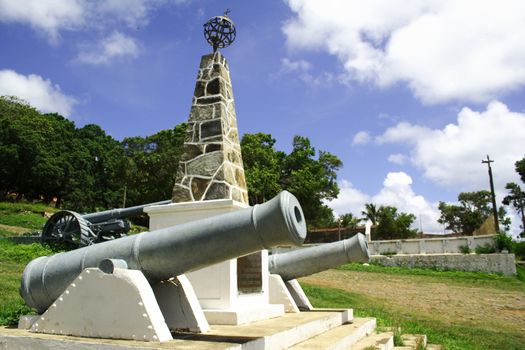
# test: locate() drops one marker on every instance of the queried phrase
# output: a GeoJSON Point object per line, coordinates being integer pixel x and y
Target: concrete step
{"type": "Point", "coordinates": [342, 337]}
{"type": "Point", "coordinates": [434, 347]}
{"type": "Point", "coordinates": [376, 341]}
{"type": "Point", "coordinates": [284, 332]}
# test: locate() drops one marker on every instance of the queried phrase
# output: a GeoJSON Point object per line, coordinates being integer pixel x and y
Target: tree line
{"type": "Point", "coordinates": [46, 157]}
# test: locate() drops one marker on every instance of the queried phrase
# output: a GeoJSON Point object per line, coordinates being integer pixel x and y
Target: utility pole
{"type": "Point", "coordinates": [494, 209]}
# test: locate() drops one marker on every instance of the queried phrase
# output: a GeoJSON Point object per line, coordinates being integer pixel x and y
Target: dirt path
{"type": "Point", "coordinates": [14, 229]}
{"type": "Point", "coordinates": [448, 302]}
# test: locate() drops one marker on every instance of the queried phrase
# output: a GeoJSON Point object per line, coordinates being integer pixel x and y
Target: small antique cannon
{"type": "Point", "coordinates": [78, 230]}
{"type": "Point", "coordinates": [169, 252]}
{"type": "Point", "coordinates": [307, 261]}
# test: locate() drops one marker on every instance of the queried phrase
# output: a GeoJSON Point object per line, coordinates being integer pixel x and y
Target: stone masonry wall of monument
{"type": "Point", "coordinates": [211, 167]}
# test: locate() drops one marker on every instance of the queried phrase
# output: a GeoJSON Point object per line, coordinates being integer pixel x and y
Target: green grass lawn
{"type": "Point", "coordinates": [13, 259]}
{"type": "Point", "coordinates": [30, 216]}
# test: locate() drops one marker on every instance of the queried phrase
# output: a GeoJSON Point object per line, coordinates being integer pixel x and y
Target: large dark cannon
{"type": "Point", "coordinates": [172, 251]}
{"type": "Point", "coordinates": [78, 230]}
{"type": "Point", "coordinates": [307, 261]}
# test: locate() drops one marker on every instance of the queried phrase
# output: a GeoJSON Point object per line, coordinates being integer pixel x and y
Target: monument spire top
{"type": "Point", "coordinates": [220, 31]}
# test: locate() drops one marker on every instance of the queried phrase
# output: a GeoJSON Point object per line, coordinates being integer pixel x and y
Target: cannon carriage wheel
{"type": "Point", "coordinates": [68, 227]}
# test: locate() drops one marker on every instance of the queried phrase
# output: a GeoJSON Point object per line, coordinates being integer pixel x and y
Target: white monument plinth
{"type": "Point", "coordinates": [216, 286]}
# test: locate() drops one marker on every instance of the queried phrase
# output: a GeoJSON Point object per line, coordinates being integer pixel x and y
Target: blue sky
{"type": "Point", "coordinates": [411, 95]}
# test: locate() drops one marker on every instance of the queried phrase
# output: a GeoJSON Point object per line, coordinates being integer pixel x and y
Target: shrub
{"type": "Point", "coordinates": [519, 250]}
{"type": "Point", "coordinates": [503, 241]}
{"type": "Point", "coordinates": [10, 313]}
{"type": "Point", "coordinates": [464, 249]}
{"type": "Point", "coordinates": [485, 249]}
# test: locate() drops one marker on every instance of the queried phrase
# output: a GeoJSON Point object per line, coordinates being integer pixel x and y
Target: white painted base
{"type": "Point", "coordinates": [298, 295]}
{"type": "Point", "coordinates": [216, 285]}
{"type": "Point", "coordinates": [244, 315]}
{"type": "Point", "coordinates": [118, 306]}
{"type": "Point", "coordinates": [279, 294]}
{"type": "Point", "coordinates": [180, 306]}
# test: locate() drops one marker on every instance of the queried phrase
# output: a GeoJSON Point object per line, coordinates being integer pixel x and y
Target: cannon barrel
{"type": "Point", "coordinates": [307, 261]}
{"type": "Point", "coordinates": [172, 251]}
{"type": "Point", "coordinates": [119, 213]}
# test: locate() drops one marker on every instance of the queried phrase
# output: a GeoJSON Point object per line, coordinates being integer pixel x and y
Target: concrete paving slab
{"type": "Point", "coordinates": [274, 334]}
{"type": "Point", "coordinates": [342, 337]}
{"type": "Point", "coordinates": [377, 341]}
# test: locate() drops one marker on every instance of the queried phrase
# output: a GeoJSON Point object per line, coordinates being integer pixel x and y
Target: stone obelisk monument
{"type": "Point", "coordinates": [210, 181]}
{"type": "Point", "coordinates": [211, 167]}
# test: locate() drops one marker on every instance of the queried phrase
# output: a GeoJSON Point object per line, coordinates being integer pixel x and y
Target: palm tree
{"type": "Point", "coordinates": [349, 220]}
{"type": "Point", "coordinates": [371, 213]}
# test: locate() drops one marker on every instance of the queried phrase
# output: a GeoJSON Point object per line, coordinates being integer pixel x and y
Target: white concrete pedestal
{"type": "Point", "coordinates": [216, 286]}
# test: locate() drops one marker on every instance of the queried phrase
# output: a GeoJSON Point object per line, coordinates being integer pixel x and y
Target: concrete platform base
{"type": "Point", "coordinates": [316, 329]}
{"type": "Point", "coordinates": [278, 333]}
{"type": "Point", "coordinates": [243, 316]}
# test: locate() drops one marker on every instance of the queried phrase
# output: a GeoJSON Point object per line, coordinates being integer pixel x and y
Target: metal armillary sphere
{"type": "Point", "coordinates": [219, 31]}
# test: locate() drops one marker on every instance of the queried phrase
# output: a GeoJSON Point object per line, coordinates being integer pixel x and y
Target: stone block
{"type": "Point", "coordinates": [181, 194]}
{"type": "Point", "coordinates": [218, 190]}
{"type": "Point", "coordinates": [212, 147]}
{"type": "Point", "coordinates": [205, 165]}
{"type": "Point", "coordinates": [191, 151]}
{"type": "Point", "coordinates": [199, 89]}
{"type": "Point", "coordinates": [200, 113]}
{"type": "Point", "coordinates": [198, 187]}
{"type": "Point", "coordinates": [209, 100]}
{"type": "Point", "coordinates": [211, 128]}
{"type": "Point", "coordinates": [215, 87]}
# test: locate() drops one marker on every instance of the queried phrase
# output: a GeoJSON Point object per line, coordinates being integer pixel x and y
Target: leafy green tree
{"type": "Point", "coordinates": [95, 179]}
{"type": "Point", "coordinates": [151, 165]}
{"type": "Point", "coordinates": [349, 220]}
{"type": "Point", "coordinates": [516, 196]}
{"type": "Point", "coordinates": [393, 224]}
{"type": "Point", "coordinates": [520, 169]}
{"type": "Point", "coordinates": [312, 180]}
{"type": "Point", "coordinates": [471, 212]}
{"type": "Point", "coordinates": [263, 166]}
{"type": "Point", "coordinates": [371, 213]}
{"type": "Point", "coordinates": [33, 150]}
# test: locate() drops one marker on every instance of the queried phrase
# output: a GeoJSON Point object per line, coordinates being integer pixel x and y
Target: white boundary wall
{"type": "Point", "coordinates": [428, 245]}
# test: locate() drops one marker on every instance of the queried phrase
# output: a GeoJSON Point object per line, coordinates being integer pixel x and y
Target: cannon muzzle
{"type": "Point", "coordinates": [172, 251]}
{"type": "Point", "coordinates": [307, 261]}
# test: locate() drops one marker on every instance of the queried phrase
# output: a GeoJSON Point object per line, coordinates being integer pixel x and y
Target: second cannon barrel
{"type": "Point", "coordinates": [307, 261]}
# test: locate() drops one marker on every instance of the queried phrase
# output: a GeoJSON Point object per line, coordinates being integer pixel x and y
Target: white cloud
{"type": "Point", "coordinates": [116, 46]}
{"type": "Point", "coordinates": [39, 92]}
{"type": "Point", "coordinates": [349, 200]}
{"type": "Point", "coordinates": [443, 49]}
{"type": "Point", "coordinates": [49, 16]}
{"type": "Point", "coordinates": [361, 138]}
{"type": "Point", "coordinates": [397, 158]}
{"type": "Point", "coordinates": [52, 17]}
{"type": "Point", "coordinates": [289, 65]}
{"type": "Point", "coordinates": [397, 191]}
{"type": "Point", "coordinates": [452, 156]}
